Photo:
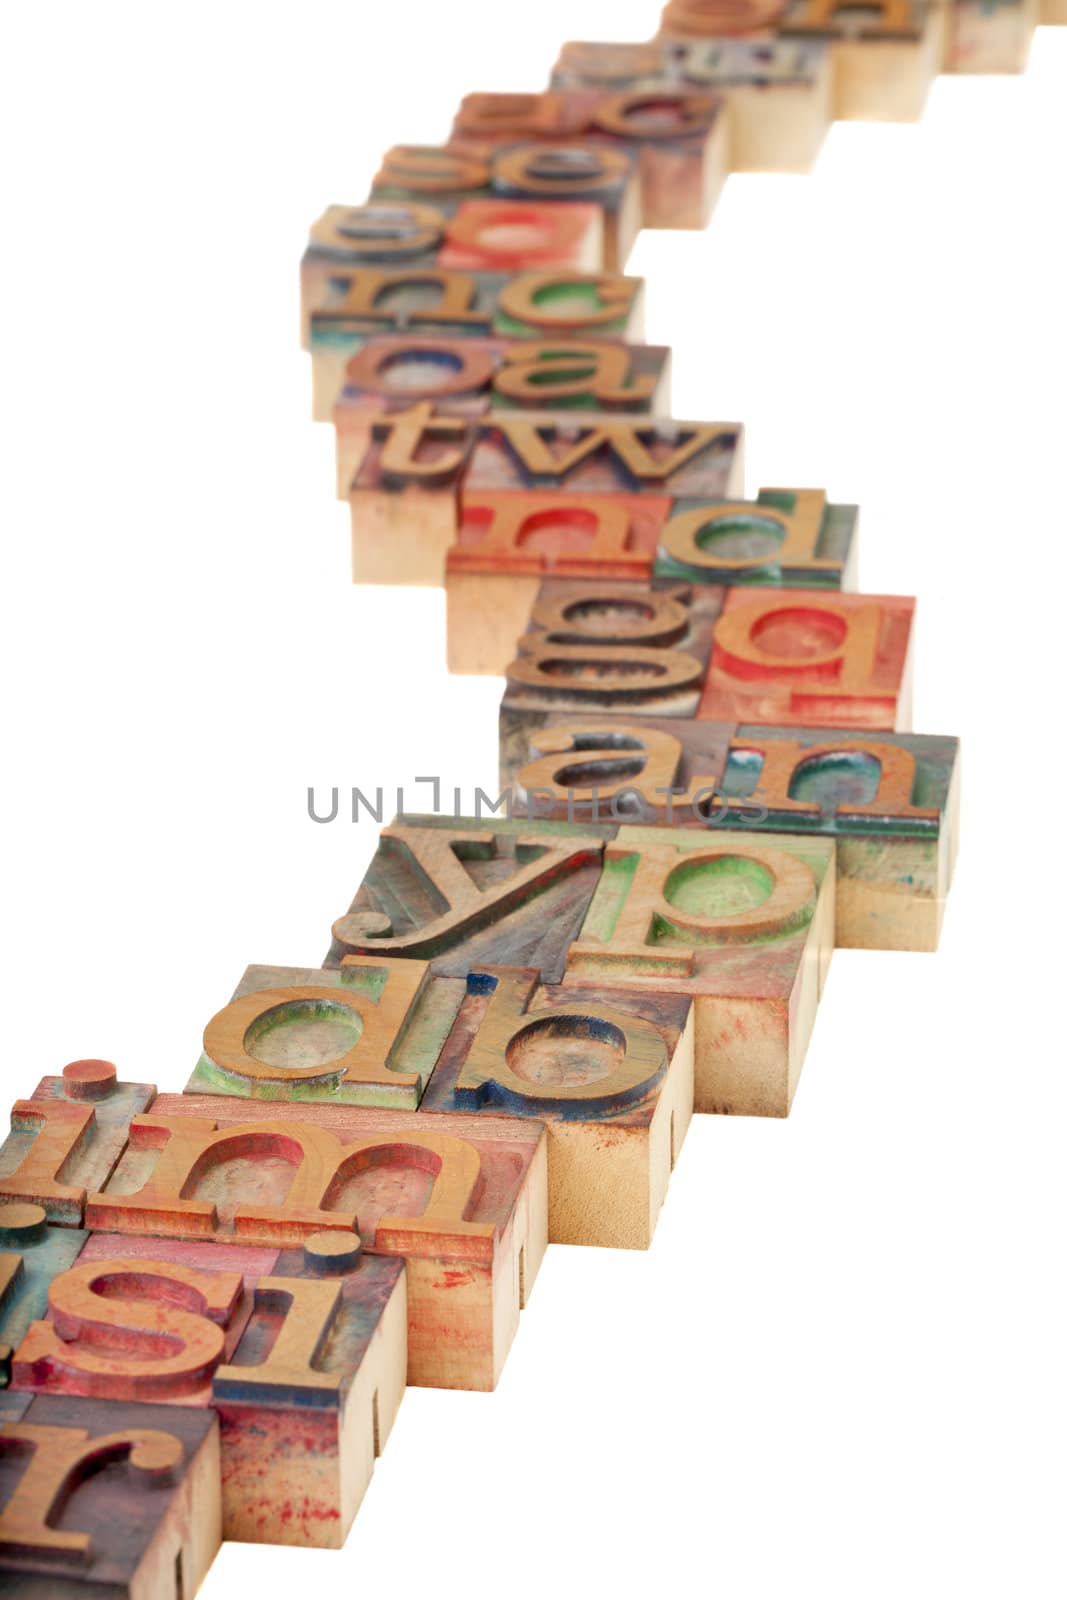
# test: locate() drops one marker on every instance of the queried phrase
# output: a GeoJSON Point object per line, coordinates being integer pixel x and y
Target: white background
{"type": "Point", "coordinates": [839, 1371]}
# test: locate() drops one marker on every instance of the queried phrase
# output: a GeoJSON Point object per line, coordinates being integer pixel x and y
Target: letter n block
{"type": "Point", "coordinates": [743, 926]}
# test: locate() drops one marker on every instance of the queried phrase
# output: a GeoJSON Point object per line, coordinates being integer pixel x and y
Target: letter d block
{"type": "Point", "coordinates": [611, 1076]}
{"type": "Point", "coordinates": [106, 1499]}
{"type": "Point", "coordinates": [742, 925]}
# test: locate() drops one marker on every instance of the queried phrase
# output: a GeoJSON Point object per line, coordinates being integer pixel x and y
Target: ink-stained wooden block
{"type": "Point", "coordinates": [302, 1353]}
{"type": "Point", "coordinates": [885, 54]}
{"type": "Point", "coordinates": [612, 649]}
{"type": "Point", "coordinates": [599, 455]}
{"type": "Point", "coordinates": [787, 538]}
{"type": "Point", "coordinates": [435, 303]}
{"type": "Point", "coordinates": [404, 496]}
{"type": "Point", "coordinates": [509, 543]}
{"type": "Point", "coordinates": [463, 891]}
{"type": "Point", "coordinates": [889, 801]}
{"type": "Point", "coordinates": [743, 927]}
{"type": "Point", "coordinates": [680, 140]}
{"type": "Point", "coordinates": [492, 234]}
{"type": "Point", "coordinates": [471, 377]}
{"type": "Point", "coordinates": [66, 1139]}
{"type": "Point", "coordinates": [568, 171]}
{"type": "Point", "coordinates": [990, 35]}
{"type": "Point", "coordinates": [363, 1035]}
{"type": "Point", "coordinates": [32, 1252]}
{"type": "Point", "coordinates": [779, 92]}
{"type": "Point", "coordinates": [119, 1501]}
{"type": "Point", "coordinates": [811, 659]}
{"type": "Point", "coordinates": [721, 19]}
{"type": "Point", "coordinates": [611, 1076]}
{"type": "Point", "coordinates": [463, 1202]}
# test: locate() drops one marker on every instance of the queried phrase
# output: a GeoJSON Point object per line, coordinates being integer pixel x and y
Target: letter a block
{"type": "Point", "coordinates": [462, 1201]}
{"type": "Point", "coordinates": [108, 1500]}
{"type": "Point", "coordinates": [743, 926]}
{"type": "Point", "coordinates": [611, 1075]}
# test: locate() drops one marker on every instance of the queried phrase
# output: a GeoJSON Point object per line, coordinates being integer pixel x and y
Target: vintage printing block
{"type": "Point", "coordinates": [990, 35]}
{"type": "Point", "coordinates": [885, 54]}
{"type": "Point", "coordinates": [32, 1252]}
{"type": "Point", "coordinates": [789, 538]}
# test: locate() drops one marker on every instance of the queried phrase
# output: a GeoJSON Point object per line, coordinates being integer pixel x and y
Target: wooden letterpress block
{"type": "Point", "coordinates": [889, 801]}
{"type": "Point", "coordinates": [437, 304]}
{"type": "Point", "coordinates": [522, 235]}
{"type": "Point", "coordinates": [744, 927]}
{"type": "Point", "coordinates": [787, 537]}
{"type": "Point", "coordinates": [67, 1137]}
{"type": "Point", "coordinates": [509, 543]}
{"type": "Point", "coordinates": [605, 456]}
{"type": "Point", "coordinates": [404, 497]}
{"type": "Point", "coordinates": [1054, 13]}
{"type": "Point", "coordinates": [457, 891]}
{"type": "Point", "coordinates": [778, 91]}
{"type": "Point", "coordinates": [302, 1353]}
{"type": "Point", "coordinates": [577, 171]}
{"type": "Point", "coordinates": [108, 1499]}
{"type": "Point", "coordinates": [379, 233]}
{"type": "Point", "coordinates": [811, 659]}
{"type": "Point", "coordinates": [294, 1033]}
{"type": "Point", "coordinates": [990, 35]}
{"type": "Point", "coordinates": [885, 54]}
{"type": "Point", "coordinates": [461, 1201]}
{"type": "Point", "coordinates": [715, 19]}
{"type": "Point", "coordinates": [470, 377]}
{"type": "Point", "coordinates": [610, 1075]}
{"type": "Point", "coordinates": [617, 649]}
{"type": "Point", "coordinates": [679, 140]}
{"type": "Point", "coordinates": [32, 1252]}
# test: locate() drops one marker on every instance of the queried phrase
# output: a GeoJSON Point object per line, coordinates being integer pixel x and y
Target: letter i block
{"type": "Point", "coordinates": [787, 538]}
{"type": "Point", "coordinates": [302, 1353]}
{"type": "Point", "coordinates": [119, 1501]}
{"type": "Point", "coordinates": [461, 1201]}
{"type": "Point", "coordinates": [990, 35]}
{"type": "Point", "coordinates": [66, 1139]}
{"type": "Point", "coordinates": [885, 54]}
{"type": "Point", "coordinates": [459, 892]}
{"type": "Point", "coordinates": [611, 1075]}
{"type": "Point", "coordinates": [796, 657]}
{"type": "Point", "coordinates": [510, 543]}
{"type": "Point", "coordinates": [744, 927]}
{"type": "Point", "coordinates": [32, 1252]}
{"type": "Point", "coordinates": [367, 1034]}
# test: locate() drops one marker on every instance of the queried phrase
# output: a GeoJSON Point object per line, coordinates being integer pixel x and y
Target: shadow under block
{"type": "Point", "coordinates": [885, 53]}
{"type": "Point", "coordinates": [65, 1140]}
{"type": "Point", "coordinates": [509, 543]}
{"type": "Point", "coordinates": [889, 801]}
{"type": "Point", "coordinates": [778, 92]}
{"type": "Point", "coordinates": [447, 304]}
{"type": "Point", "coordinates": [785, 538]}
{"type": "Point", "coordinates": [989, 35]}
{"type": "Point", "coordinates": [569, 171]}
{"type": "Point", "coordinates": [743, 927]}
{"type": "Point", "coordinates": [679, 140]}
{"type": "Point", "coordinates": [302, 1353]}
{"type": "Point", "coordinates": [463, 891]}
{"type": "Point", "coordinates": [366, 1034]}
{"type": "Point", "coordinates": [100, 1498]}
{"type": "Point", "coordinates": [611, 1077]}
{"type": "Point", "coordinates": [813, 659]}
{"type": "Point", "coordinates": [461, 1201]}
{"type": "Point", "coordinates": [471, 377]}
